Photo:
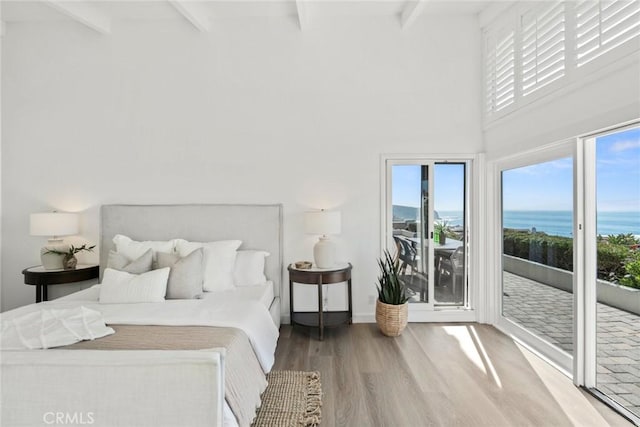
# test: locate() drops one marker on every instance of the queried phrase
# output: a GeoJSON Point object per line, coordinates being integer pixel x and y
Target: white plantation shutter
{"type": "Point", "coordinates": [543, 46]}
{"type": "Point", "coordinates": [604, 25]}
{"type": "Point", "coordinates": [499, 70]}
{"type": "Point", "coordinates": [546, 44]}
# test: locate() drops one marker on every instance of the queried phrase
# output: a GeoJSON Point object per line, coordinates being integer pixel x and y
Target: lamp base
{"type": "Point", "coordinates": [324, 253]}
{"type": "Point", "coordinates": [52, 261]}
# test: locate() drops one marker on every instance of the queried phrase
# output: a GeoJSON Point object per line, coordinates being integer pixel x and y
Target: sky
{"type": "Point", "coordinates": [448, 186]}
{"type": "Point", "coordinates": [549, 185]}
{"type": "Point", "coordinates": [618, 171]}
{"type": "Point", "coordinates": [544, 186]}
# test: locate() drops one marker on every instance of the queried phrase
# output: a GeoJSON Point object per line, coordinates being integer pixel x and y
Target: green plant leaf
{"type": "Point", "coordinates": [391, 289]}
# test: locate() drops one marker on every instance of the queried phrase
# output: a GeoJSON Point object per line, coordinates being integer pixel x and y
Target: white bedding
{"type": "Point", "coordinates": [52, 328]}
{"type": "Point", "coordinates": [215, 309]}
{"type": "Point", "coordinates": [262, 293]}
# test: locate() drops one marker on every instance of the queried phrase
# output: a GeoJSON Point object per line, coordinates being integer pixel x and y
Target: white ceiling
{"type": "Point", "coordinates": [25, 10]}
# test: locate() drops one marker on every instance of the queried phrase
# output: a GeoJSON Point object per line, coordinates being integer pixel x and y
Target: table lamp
{"type": "Point", "coordinates": [323, 223]}
{"type": "Point", "coordinates": [54, 225]}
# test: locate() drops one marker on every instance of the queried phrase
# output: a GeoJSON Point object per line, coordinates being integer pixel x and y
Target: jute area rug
{"type": "Point", "coordinates": [292, 398]}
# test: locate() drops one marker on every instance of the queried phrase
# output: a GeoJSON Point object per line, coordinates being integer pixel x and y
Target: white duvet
{"type": "Point", "coordinates": [252, 317]}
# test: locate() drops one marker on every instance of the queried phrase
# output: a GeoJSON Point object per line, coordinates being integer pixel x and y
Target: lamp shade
{"type": "Point", "coordinates": [54, 224]}
{"type": "Point", "coordinates": [322, 222]}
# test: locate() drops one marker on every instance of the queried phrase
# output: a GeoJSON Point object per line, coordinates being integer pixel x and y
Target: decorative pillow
{"type": "Point", "coordinates": [249, 268]}
{"type": "Point", "coordinates": [122, 287]}
{"type": "Point", "coordinates": [185, 277]}
{"type": "Point", "coordinates": [140, 265]}
{"type": "Point", "coordinates": [133, 249]}
{"type": "Point", "coordinates": [218, 263]}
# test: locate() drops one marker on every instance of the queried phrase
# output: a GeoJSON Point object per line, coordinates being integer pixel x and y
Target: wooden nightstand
{"type": "Point", "coordinates": [319, 277]}
{"type": "Point", "coordinates": [42, 278]}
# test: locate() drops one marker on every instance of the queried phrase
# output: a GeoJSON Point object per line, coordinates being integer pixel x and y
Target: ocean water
{"type": "Point", "coordinates": [560, 223]}
{"type": "Point", "coordinates": [556, 223]}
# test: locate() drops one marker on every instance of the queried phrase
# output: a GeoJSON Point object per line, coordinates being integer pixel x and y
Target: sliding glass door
{"type": "Point", "coordinates": [426, 228]}
{"type": "Point", "coordinates": [613, 204]}
{"type": "Point", "coordinates": [537, 251]}
{"type": "Point", "coordinates": [450, 229]}
{"type": "Point", "coordinates": [569, 252]}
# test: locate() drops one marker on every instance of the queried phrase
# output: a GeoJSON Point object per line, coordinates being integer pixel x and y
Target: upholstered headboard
{"type": "Point", "coordinates": [258, 226]}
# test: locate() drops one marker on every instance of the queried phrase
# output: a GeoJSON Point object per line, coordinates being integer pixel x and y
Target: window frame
{"type": "Point", "coordinates": [549, 352]}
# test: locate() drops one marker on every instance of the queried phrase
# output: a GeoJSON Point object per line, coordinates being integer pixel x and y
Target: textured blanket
{"type": "Point", "coordinates": [48, 328]}
{"type": "Point", "coordinates": [244, 378]}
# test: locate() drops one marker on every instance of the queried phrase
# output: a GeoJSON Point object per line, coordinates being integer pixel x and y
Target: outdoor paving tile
{"type": "Point", "coordinates": [634, 399]}
{"type": "Point", "coordinates": [631, 388]}
{"type": "Point", "coordinates": [547, 312]}
{"type": "Point", "coordinates": [618, 369]}
{"type": "Point", "coordinates": [623, 354]}
{"type": "Point", "coordinates": [614, 388]}
{"type": "Point", "coordinates": [607, 379]}
{"type": "Point", "coordinates": [602, 370]}
{"type": "Point", "coordinates": [622, 346]}
{"type": "Point", "coordinates": [621, 360]}
{"type": "Point", "coordinates": [621, 399]}
{"type": "Point", "coordinates": [633, 370]}
{"type": "Point", "coordinates": [625, 378]}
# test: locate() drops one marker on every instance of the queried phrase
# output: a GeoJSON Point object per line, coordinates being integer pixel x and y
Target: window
{"type": "Point", "coordinates": [500, 66]}
{"type": "Point", "coordinates": [537, 250]}
{"type": "Point", "coordinates": [602, 26]}
{"type": "Point", "coordinates": [543, 46]}
{"type": "Point", "coordinates": [535, 47]}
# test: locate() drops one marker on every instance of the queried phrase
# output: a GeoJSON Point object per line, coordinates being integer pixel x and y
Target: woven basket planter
{"type": "Point", "coordinates": [391, 319]}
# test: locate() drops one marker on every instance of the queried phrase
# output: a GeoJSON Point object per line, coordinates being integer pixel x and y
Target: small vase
{"type": "Point", "coordinates": [69, 262]}
{"type": "Point", "coordinates": [443, 238]}
{"type": "Point", "coordinates": [51, 261]}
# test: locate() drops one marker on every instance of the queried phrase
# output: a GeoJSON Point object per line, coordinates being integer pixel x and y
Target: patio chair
{"type": "Point", "coordinates": [453, 267]}
{"type": "Point", "coordinates": [408, 257]}
{"type": "Point", "coordinates": [407, 254]}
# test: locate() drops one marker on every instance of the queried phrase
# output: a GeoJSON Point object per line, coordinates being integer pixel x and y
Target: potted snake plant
{"type": "Point", "coordinates": [392, 304]}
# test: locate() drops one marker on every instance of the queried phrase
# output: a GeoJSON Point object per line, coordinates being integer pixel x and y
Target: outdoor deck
{"type": "Point", "coordinates": [548, 312]}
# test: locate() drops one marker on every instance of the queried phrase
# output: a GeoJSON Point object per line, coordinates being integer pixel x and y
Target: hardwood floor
{"type": "Point", "coordinates": [436, 375]}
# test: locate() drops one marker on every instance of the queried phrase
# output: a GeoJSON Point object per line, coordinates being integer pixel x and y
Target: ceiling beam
{"type": "Point", "coordinates": [194, 13]}
{"type": "Point", "coordinates": [303, 16]}
{"type": "Point", "coordinates": [84, 13]}
{"type": "Point", "coordinates": [411, 11]}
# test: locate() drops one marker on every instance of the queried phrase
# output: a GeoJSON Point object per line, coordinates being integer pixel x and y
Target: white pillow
{"type": "Point", "coordinates": [134, 250]}
{"type": "Point", "coordinates": [249, 268]}
{"type": "Point", "coordinates": [218, 263]}
{"type": "Point", "coordinates": [122, 287]}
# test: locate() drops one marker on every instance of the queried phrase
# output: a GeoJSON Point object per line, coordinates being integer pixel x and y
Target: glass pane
{"type": "Point", "coordinates": [537, 278]}
{"type": "Point", "coordinates": [449, 231]}
{"type": "Point", "coordinates": [410, 207]}
{"type": "Point", "coordinates": [618, 285]}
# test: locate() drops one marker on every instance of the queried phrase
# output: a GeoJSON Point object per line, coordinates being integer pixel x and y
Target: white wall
{"type": "Point", "coordinates": [253, 112]}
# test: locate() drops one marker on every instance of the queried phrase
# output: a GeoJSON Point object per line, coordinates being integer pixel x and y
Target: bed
{"type": "Point", "coordinates": [187, 379]}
